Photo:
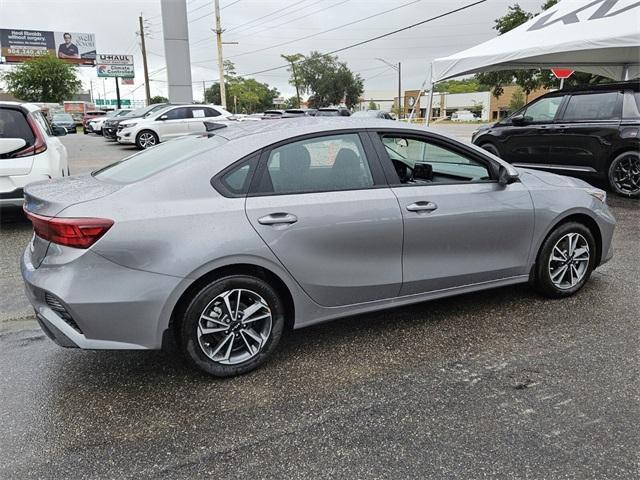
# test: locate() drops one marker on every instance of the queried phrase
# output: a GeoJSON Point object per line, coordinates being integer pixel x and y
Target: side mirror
{"type": "Point", "coordinates": [505, 177]}
{"type": "Point", "coordinates": [423, 171]}
{"type": "Point", "coordinates": [8, 145]}
{"type": "Point", "coordinates": [518, 120]}
{"type": "Point", "coordinates": [164, 117]}
{"type": "Point", "coordinates": [58, 131]}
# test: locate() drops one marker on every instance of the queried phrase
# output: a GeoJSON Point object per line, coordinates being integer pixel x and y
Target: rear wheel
{"type": "Point", "coordinates": [565, 261]}
{"type": "Point", "coordinates": [624, 174]}
{"type": "Point", "coordinates": [146, 139]}
{"type": "Point", "coordinates": [232, 325]}
{"type": "Point", "coordinates": [491, 148]}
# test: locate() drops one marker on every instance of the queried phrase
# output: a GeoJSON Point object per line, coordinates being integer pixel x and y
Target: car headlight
{"type": "Point", "coordinates": [128, 125]}
{"type": "Point", "coordinates": [597, 193]}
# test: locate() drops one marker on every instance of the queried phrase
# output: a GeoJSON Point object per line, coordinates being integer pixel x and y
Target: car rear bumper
{"type": "Point", "coordinates": [93, 303]}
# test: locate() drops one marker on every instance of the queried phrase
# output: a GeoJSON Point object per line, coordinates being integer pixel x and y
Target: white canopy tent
{"type": "Point", "coordinates": [594, 36]}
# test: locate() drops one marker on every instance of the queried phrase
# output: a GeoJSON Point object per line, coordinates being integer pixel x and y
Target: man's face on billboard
{"type": "Point", "coordinates": [67, 39]}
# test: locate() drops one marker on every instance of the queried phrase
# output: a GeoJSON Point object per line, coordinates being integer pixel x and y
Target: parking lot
{"type": "Point", "coordinates": [497, 384]}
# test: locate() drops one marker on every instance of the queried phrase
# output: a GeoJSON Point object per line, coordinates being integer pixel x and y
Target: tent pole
{"type": "Point", "coordinates": [625, 72]}
{"type": "Point", "coordinates": [429, 104]}
{"type": "Point", "coordinates": [413, 109]}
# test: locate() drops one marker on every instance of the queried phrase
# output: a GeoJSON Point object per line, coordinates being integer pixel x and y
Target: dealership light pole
{"type": "Point", "coordinates": [397, 68]}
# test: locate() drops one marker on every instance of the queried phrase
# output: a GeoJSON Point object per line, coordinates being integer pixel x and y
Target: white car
{"type": "Point", "coordinates": [29, 150]}
{"type": "Point", "coordinates": [463, 116]}
{"type": "Point", "coordinates": [169, 123]}
{"type": "Point", "coordinates": [95, 125]}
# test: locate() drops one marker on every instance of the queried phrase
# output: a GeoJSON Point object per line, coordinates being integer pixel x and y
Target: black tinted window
{"type": "Point", "coordinates": [13, 124]}
{"type": "Point", "coordinates": [210, 112]}
{"type": "Point", "coordinates": [178, 113]}
{"type": "Point", "coordinates": [592, 106]}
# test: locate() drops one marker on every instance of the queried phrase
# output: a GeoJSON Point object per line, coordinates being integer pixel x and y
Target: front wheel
{"type": "Point", "coordinates": [565, 262]}
{"type": "Point", "coordinates": [624, 174]}
{"type": "Point", "coordinates": [146, 139]}
{"type": "Point", "coordinates": [232, 325]}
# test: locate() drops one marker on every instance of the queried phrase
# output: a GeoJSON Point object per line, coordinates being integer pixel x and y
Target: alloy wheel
{"type": "Point", "coordinates": [234, 326]}
{"type": "Point", "coordinates": [147, 139]}
{"type": "Point", "coordinates": [626, 174]}
{"type": "Point", "coordinates": [569, 261]}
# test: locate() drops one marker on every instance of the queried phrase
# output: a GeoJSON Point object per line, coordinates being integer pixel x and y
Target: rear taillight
{"type": "Point", "coordinates": [70, 232]}
{"type": "Point", "coordinates": [40, 144]}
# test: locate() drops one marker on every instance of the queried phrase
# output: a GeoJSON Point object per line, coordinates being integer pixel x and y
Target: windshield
{"type": "Point", "coordinates": [62, 117]}
{"type": "Point", "coordinates": [153, 160]}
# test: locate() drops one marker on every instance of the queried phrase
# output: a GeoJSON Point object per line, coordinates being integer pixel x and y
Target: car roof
{"type": "Point", "coordinates": [630, 85]}
{"type": "Point", "coordinates": [27, 106]}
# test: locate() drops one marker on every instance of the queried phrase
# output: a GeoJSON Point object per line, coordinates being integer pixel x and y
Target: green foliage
{"type": "Point", "coordinates": [372, 105]}
{"type": "Point", "coordinates": [158, 99]}
{"type": "Point", "coordinates": [295, 79]}
{"type": "Point", "coordinates": [517, 100]}
{"type": "Point", "coordinates": [328, 81]}
{"type": "Point", "coordinates": [466, 85]}
{"type": "Point", "coordinates": [43, 79]}
{"type": "Point", "coordinates": [244, 95]}
{"type": "Point", "coordinates": [291, 102]}
{"type": "Point", "coordinates": [527, 80]}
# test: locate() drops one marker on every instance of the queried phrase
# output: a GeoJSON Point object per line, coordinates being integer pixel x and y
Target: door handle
{"type": "Point", "coordinates": [278, 219]}
{"type": "Point", "coordinates": [422, 207]}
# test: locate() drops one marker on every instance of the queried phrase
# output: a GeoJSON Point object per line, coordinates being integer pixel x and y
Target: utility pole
{"type": "Point", "coordinates": [204, 93]}
{"type": "Point", "coordinates": [397, 68]}
{"type": "Point", "coordinates": [117, 93]}
{"type": "Point", "coordinates": [143, 47]}
{"type": "Point", "coordinates": [223, 95]}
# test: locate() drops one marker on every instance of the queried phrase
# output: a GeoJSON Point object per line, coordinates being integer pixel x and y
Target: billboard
{"type": "Point", "coordinates": [109, 65]}
{"type": "Point", "coordinates": [73, 47]}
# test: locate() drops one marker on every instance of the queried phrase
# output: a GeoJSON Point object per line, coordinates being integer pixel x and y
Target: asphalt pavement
{"type": "Point", "coordinates": [497, 384]}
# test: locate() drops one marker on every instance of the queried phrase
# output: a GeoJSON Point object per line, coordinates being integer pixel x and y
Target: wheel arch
{"type": "Point", "coordinates": [233, 269]}
{"type": "Point", "coordinates": [579, 217]}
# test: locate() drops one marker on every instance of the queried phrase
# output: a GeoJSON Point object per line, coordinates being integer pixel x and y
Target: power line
{"type": "Point", "coordinates": [230, 4]}
{"type": "Point", "coordinates": [378, 37]}
{"type": "Point", "coordinates": [268, 15]}
{"type": "Point", "coordinates": [326, 31]}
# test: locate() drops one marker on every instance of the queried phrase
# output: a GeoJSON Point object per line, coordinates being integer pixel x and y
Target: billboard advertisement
{"type": "Point", "coordinates": [110, 65]}
{"type": "Point", "coordinates": [73, 47]}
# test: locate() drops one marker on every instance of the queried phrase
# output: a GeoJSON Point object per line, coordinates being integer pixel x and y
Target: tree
{"type": "Point", "coordinates": [527, 80]}
{"type": "Point", "coordinates": [244, 95]}
{"type": "Point", "coordinates": [158, 99]}
{"type": "Point", "coordinates": [293, 59]}
{"type": "Point", "coordinates": [372, 105]}
{"type": "Point", "coordinates": [43, 79]}
{"type": "Point", "coordinates": [517, 100]}
{"type": "Point", "coordinates": [328, 81]}
{"type": "Point", "coordinates": [466, 85]}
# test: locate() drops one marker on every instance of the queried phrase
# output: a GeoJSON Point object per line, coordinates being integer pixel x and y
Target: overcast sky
{"type": "Point", "coordinates": [115, 23]}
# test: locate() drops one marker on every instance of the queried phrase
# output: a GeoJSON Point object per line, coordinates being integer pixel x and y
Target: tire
{"type": "Point", "coordinates": [146, 139]}
{"type": "Point", "coordinates": [624, 174]}
{"type": "Point", "coordinates": [85, 131]}
{"type": "Point", "coordinates": [549, 279]}
{"type": "Point", "coordinates": [231, 348]}
{"type": "Point", "coordinates": [491, 148]}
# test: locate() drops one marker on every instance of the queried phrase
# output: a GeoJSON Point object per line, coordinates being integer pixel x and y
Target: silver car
{"type": "Point", "coordinates": [221, 241]}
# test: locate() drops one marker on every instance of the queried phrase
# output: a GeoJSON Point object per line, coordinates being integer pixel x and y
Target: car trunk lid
{"type": "Point", "coordinates": [50, 198]}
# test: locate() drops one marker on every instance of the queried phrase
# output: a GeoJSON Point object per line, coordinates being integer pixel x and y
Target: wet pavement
{"type": "Point", "coordinates": [498, 384]}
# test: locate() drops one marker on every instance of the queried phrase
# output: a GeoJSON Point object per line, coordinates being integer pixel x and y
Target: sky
{"type": "Point", "coordinates": [265, 24]}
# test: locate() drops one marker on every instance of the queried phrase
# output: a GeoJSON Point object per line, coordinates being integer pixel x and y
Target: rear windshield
{"type": "Point", "coordinates": [155, 159]}
{"type": "Point", "coordinates": [13, 124]}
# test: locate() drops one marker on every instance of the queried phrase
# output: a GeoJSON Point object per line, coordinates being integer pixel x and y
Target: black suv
{"type": "Point", "coordinates": [591, 132]}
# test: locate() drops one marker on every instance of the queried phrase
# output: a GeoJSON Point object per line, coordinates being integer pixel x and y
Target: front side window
{"type": "Point", "coordinates": [418, 161]}
{"type": "Point", "coordinates": [320, 164]}
{"type": "Point", "coordinates": [544, 110]}
{"type": "Point", "coordinates": [592, 106]}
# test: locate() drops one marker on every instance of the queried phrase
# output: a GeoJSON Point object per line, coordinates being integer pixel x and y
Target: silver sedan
{"type": "Point", "coordinates": [221, 241]}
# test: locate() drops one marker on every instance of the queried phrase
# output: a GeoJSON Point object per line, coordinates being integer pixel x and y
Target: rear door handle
{"type": "Point", "coordinates": [279, 218]}
{"type": "Point", "coordinates": [422, 207]}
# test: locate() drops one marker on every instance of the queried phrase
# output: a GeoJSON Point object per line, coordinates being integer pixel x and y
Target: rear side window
{"type": "Point", "coordinates": [592, 106]}
{"type": "Point", "coordinates": [320, 164]}
{"type": "Point", "coordinates": [153, 160]}
{"type": "Point", "coordinates": [178, 113]}
{"type": "Point", "coordinates": [13, 124]}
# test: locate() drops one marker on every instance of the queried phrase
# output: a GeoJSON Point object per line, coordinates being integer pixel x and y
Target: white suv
{"type": "Point", "coordinates": [169, 123]}
{"type": "Point", "coordinates": [29, 151]}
